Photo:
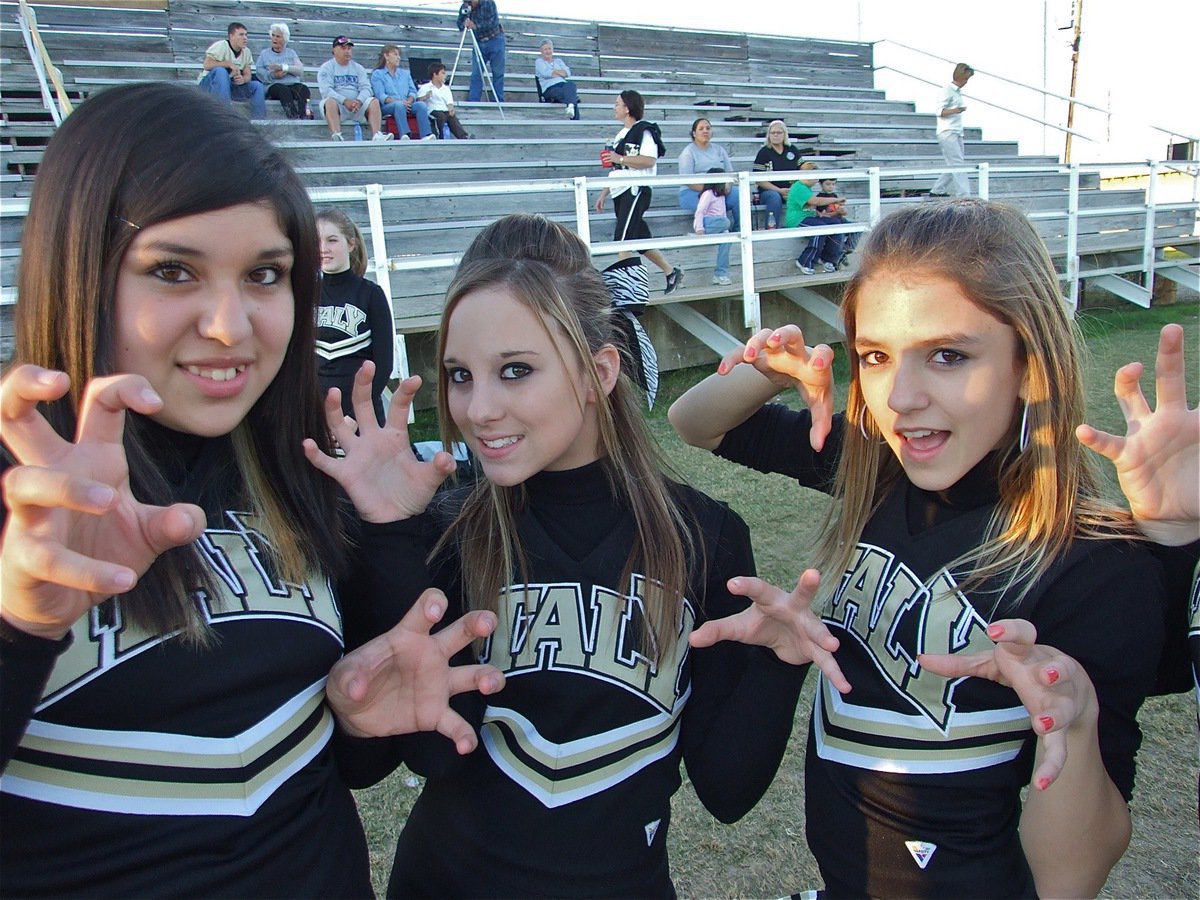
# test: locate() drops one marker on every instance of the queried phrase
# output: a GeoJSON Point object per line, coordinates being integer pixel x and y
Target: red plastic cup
{"type": "Point", "coordinates": [606, 157]}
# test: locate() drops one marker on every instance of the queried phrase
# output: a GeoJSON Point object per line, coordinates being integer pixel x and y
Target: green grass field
{"type": "Point", "coordinates": [765, 854]}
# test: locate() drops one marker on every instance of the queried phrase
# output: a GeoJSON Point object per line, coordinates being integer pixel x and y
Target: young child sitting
{"type": "Point", "coordinates": [712, 218]}
{"type": "Point", "coordinates": [836, 213]}
{"type": "Point", "coordinates": [437, 94]}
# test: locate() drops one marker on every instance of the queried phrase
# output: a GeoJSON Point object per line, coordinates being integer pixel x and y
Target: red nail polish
{"type": "Point", "coordinates": [1052, 675]}
{"type": "Point", "coordinates": [995, 631]}
{"type": "Point", "coordinates": [1043, 783]}
{"type": "Point", "coordinates": [1047, 722]}
{"type": "Point", "coordinates": [751, 353]}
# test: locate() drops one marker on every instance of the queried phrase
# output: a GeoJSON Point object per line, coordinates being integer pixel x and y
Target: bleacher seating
{"type": "Point", "coordinates": [823, 89]}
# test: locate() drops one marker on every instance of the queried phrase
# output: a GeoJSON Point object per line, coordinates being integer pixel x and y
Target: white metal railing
{"type": "Point", "coordinates": [1040, 91]}
{"type": "Point", "coordinates": [383, 262]}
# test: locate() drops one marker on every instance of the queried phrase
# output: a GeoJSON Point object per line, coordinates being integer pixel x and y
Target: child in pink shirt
{"type": "Point", "coordinates": [711, 218]}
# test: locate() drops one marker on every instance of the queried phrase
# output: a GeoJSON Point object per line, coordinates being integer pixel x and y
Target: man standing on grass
{"type": "Point", "coordinates": [950, 136]}
{"type": "Point", "coordinates": [346, 92]}
{"type": "Point", "coordinates": [227, 72]}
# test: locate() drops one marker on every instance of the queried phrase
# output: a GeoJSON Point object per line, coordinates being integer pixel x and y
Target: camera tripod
{"type": "Point", "coordinates": [488, 84]}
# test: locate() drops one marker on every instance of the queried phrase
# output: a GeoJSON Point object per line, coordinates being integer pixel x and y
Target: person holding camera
{"type": "Point", "coordinates": [482, 17]}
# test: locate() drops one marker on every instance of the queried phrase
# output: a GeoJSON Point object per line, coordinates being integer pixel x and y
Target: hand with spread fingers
{"type": "Point", "coordinates": [75, 535]}
{"type": "Point", "coordinates": [402, 681]}
{"type": "Point", "coordinates": [1051, 685]}
{"type": "Point", "coordinates": [782, 622]}
{"type": "Point", "coordinates": [1158, 458]}
{"type": "Point", "coordinates": [379, 471]}
{"type": "Point", "coordinates": [782, 356]}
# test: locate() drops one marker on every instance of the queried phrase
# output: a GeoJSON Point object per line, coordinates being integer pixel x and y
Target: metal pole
{"type": "Point", "coordinates": [1074, 76]}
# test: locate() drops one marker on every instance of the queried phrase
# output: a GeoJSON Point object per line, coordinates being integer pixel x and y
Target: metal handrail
{"type": "Point", "coordinates": [42, 65]}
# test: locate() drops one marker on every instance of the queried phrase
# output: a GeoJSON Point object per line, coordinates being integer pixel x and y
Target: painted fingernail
{"type": "Point", "coordinates": [1051, 675]}
{"type": "Point", "coordinates": [751, 353]}
{"type": "Point", "coordinates": [1047, 722]}
{"type": "Point", "coordinates": [1043, 783]}
{"type": "Point", "coordinates": [995, 631]}
{"type": "Point", "coordinates": [101, 495]}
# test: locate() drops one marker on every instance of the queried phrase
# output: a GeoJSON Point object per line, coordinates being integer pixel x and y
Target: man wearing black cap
{"type": "Point", "coordinates": [346, 92]}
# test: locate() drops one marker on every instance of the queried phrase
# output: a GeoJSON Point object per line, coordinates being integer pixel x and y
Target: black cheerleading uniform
{"type": "Point", "coordinates": [137, 765]}
{"type": "Point", "coordinates": [354, 324]}
{"type": "Point", "coordinates": [912, 781]}
{"type": "Point", "coordinates": [569, 791]}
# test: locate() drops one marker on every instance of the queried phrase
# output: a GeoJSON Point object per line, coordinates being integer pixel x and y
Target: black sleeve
{"type": "Point", "coordinates": [25, 665]}
{"type": "Point", "coordinates": [1181, 569]}
{"type": "Point", "coordinates": [739, 717]}
{"type": "Point", "coordinates": [387, 575]}
{"type": "Point", "coordinates": [427, 753]}
{"type": "Point", "coordinates": [775, 440]}
{"type": "Point", "coordinates": [383, 338]}
{"type": "Point", "coordinates": [1106, 610]}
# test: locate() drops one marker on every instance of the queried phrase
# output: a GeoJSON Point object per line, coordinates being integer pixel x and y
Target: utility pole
{"type": "Point", "coordinates": [1074, 74]}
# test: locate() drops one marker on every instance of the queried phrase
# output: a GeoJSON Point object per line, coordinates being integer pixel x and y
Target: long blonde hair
{"type": "Point", "coordinates": [1049, 493]}
{"type": "Point", "coordinates": [549, 270]}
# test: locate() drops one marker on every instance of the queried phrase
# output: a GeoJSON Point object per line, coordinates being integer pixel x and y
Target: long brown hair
{"type": "Point", "coordinates": [1049, 493]}
{"type": "Point", "coordinates": [129, 158]}
{"type": "Point", "coordinates": [353, 236]}
{"type": "Point", "coordinates": [549, 269]}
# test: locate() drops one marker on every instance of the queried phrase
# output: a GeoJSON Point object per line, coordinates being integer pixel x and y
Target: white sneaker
{"type": "Point", "coordinates": [570, 110]}
{"type": "Point", "coordinates": [722, 279]}
{"type": "Point", "coordinates": [829, 267]}
{"type": "Point", "coordinates": [805, 269]}
{"type": "Point", "coordinates": [429, 137]}
{"type": "Point", "coordinates": [336, 136]}
{"type": "Point", "coordinates": [403, 137]}
{"type": "Point", "coordinates": [381, 137]}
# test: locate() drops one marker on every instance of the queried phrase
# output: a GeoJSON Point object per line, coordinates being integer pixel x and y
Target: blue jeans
{"type": "Point", "coordinates": [493, 51]}
{"type": "Point", "coordinates": [826, 247]}
{"type": "Point", "coordinates": [688, 199]}
{"type": "Point", "coordinates": [773, 201]}
{"type": "Point", "coordinates": [399, 112]}
{"type": "Point", "coordinates": [719, 225]}
{"type": "Point", "coordinates": [563, 92]}
{"type": "Point", "coordinates": [218, 83]}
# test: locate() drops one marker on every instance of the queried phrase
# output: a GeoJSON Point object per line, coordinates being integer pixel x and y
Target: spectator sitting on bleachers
{"type": "Point", "coordinates": [552, 74]}
{"type": "Point", "coordinates": [702, 155]}
{"type": "Point", "coordinates": [227, 75]}
{"type": "Point", "coordinates": [803, 208]}
{"type": "Point", "coordinates": [437, 94]}
{"type": "Point", "coordinates": [835, 214]}
{"type": "Point", "coordinates": [280, 69]}
{"type": "Point", "coordinates": [777, 155]}
{"type": "Point", "coordinates": [346, 92]}
{"type": "Point", "coordinates": [397, 94]}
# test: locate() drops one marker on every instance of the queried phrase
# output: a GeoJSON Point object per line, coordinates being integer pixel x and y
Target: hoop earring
{"type": "Point", "coordinates": [862, 427]}
{"type": "Point", "coordinates": [1023, 436]}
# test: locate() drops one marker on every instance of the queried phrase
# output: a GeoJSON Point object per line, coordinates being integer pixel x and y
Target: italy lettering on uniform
{"type": "Point", "coordinates": [170, 772]}
{"type": "Point", "coordinates": [249, 590]}
{"type": "Point", "coordinates": [557, 628]}
{"type": "Point", "coordinates": [893, 616]}
{"type": "Point", "coordinates": [347, 319]}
